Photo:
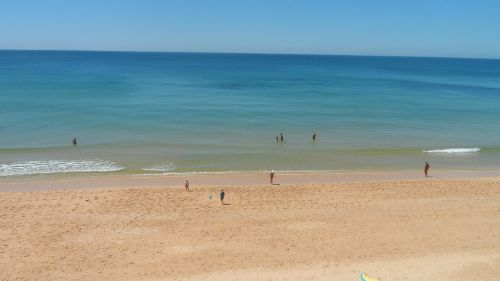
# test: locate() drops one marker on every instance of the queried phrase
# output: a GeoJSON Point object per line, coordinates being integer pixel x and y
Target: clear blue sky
{"type": "Point", "coordinates": [453, 28]}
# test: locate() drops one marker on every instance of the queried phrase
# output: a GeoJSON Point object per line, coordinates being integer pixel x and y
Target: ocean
{"type": "Point", "coordinates": [156, 113]}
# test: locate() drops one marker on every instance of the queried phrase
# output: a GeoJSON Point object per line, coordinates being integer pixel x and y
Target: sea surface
{"type": "Point", "coordinates": [155, 113]}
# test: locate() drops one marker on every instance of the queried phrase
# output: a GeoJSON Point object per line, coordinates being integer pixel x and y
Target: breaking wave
{"type": "Point", "coordinates": [454, 150]}
{"type": "Point", "coordinates": [162, 167]}
{"type": "Point", "coordinates": [57, 166]}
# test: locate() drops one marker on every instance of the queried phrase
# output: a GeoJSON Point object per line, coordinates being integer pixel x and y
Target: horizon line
{"type": "Point", "coordinates": [242, 53]}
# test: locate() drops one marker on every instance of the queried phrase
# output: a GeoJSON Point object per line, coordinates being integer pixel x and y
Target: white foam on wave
{"type": "Point", "coordinates": [161, 167]}
{"type": "Point", "coordinates": [57, 166]}
{"type": "Point", "coordinates": [454, 150]}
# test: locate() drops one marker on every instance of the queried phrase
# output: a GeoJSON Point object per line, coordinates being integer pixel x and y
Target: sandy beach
{"type": "Point", "coordinates": [249, 140]}
{"type": "Point", "coordinates": [390, 228]}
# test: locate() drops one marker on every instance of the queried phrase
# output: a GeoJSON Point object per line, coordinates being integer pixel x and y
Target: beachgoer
{"type": "Point", "coordinates": [186, 185]}
{"type": "Point", "coordinates": [271, 176]}
{"type": "Point", "coordinates": [314, 136]}
{"type": "Point", "coordinates": [282, 139]}
{"type": "Point", "coordinates": [426, 169]}
{"type": "Point", "coordinates": [74, 141]}
{"type": "Point", "coordinates": [222, 194]}
{"type": "Point", "coordinates": [277, 139]}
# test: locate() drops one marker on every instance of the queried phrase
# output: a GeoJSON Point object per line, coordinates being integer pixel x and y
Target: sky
{"type": "Point", "coordinates": [443, 28]}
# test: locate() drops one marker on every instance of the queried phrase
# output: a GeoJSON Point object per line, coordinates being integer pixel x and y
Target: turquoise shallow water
{"type": "Point", "coordinates": [183, 112]}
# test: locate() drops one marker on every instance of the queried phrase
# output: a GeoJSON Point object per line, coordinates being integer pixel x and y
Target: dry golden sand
{"type": "Point", "coordinates": [434, 229]}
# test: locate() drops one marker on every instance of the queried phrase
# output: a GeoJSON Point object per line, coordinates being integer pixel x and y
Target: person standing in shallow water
{"type": "Point", "coordinates": [314, 136]}
{"type": "Point", "coordinates": [74, 141]}
{"type": "Point", "coordinates": [282, 139]}
{"type": "Point", "coordinates": [426, 169]}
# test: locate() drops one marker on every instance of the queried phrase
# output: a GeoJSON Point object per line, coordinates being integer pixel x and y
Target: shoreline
{"type": "Point", "coordinates": [226, 179]}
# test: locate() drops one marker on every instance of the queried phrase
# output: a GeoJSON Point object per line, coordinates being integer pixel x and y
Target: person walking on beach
{"type": "Point", "coordinates": [271, 176]}
{"type": "Point", "coordinates": [222, 194]}
{"type": "Point", "coordinates": [426, 169]}
{"type": "Point", "coordinates": [186, 185]}
{"type": "Point", "coordinates": [74, 141]}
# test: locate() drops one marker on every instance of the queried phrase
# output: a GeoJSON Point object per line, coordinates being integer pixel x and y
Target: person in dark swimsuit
{"type": "Point", "coordinates": [426, 169]}
{"type": "Point", "coordinates": [222, 194]}
{"type": "Point", "coordinates": [74, 141]}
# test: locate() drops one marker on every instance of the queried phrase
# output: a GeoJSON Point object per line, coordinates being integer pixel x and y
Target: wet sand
{"type": "Point", "coordinates": [76, 181]}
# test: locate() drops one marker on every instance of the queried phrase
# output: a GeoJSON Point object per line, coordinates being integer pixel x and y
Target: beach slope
{"type": "Point", "coordinates": [434, 229]}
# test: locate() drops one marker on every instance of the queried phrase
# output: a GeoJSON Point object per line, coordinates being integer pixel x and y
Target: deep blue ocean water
{"type": "Point", "coordinates": [192, 112]}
